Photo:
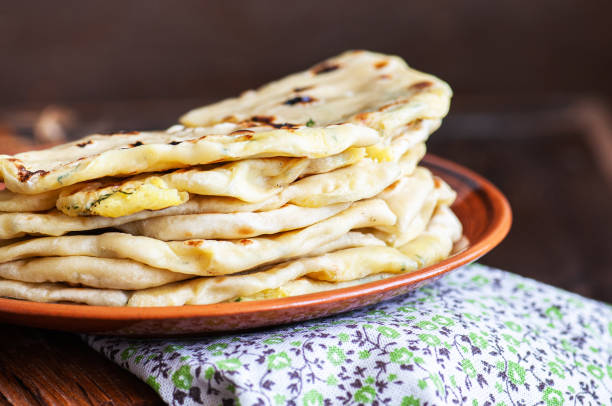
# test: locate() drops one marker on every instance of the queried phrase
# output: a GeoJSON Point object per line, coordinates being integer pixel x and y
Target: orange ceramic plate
{"type": "Point", "coordinates": [482, 209]}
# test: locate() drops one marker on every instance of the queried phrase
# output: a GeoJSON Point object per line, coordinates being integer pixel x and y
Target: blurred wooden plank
{"type": "Point", "coordinates": [39, 367]}
{"type": "Point", "coordinates": [595, 117]}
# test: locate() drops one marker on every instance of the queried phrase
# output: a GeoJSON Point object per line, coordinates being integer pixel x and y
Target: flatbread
{"type": "Point", "coordinates": [365, 179]}
{"type": "Point", "coordinates": [206, 257]}
{"type": "Point", "coordinates": [221, 289]}
{"type": "Point", "coordinates": [307, 190]}
{"type": "Point", "coordinates": [349, 240]}
{"type": "Point", "coordinates": [362, 87]}
{"type": "Point", "coordinates": [99, 156]}
{"type": "Point", "coordinates": [231, 225]}
{"type": "Point", "coordinates": [436, 242]}
{"type": "Point", "coordinates": [16, 225]}
{"type": "Point", "coordinates": [340, 266]}
{"type": "Point", "coordinates": [89, 271]}
{"type": "Point", "coordinates": [55, 292]}
{"type": "Point", "coordinates": [59, 292]}
{"type": "Point", "coordinates": [305, 285]}
{"type": "Point", "coordinates": [343, 268]}
{"type": "Point", "coordinates": [13, 202]}
{"type": "Point", "coordinates": [405, 197]}
{"type": "Point", "coordinates": [241, 180]}
{"type": "Point", "coordinates": [16, 202]}
{"type": "Point", "coordinates": [416, 133]}
{"type": "Point", "coordinates": [413, 200]}
{"type": "Point", "coordinates": [250, 180]}
{"type": "Point", "coordinates": [430, 247]}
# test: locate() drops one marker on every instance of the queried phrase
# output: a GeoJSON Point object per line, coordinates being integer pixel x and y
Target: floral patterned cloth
{"type": "Point", "coordinates": [479, 336]}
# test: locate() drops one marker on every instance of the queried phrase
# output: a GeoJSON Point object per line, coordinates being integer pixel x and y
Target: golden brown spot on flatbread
{"type": "Point", "coordinates": [395, 103]}
{"type": "Point", "coordinates": [193, 243]}
{"type": "Point", "coordinates": [245, 242]}
{"type": "Point", "coordinates": [392, 187]}
{"type": "Point", "coordinates": [362, 116]}
{"type": "Point", "coordinates": [324, 67]}
{"type": "Point", "coordinates": [22, 173]}
{"type": "Point", "coordinates": [263, 119]}
{"type": "Point", "coordinates": [242, 132]}
{"type": "Point", "coordinates": [437, 182]}
{"type": "Point", "coordinates": [197, 139]}
{"type": "Point", "coordinates": [385, 76]}
{"type": "Point", "coordinates": [25, 175]}
{"type": "Point", "coordinates": [415, 124]}
{"type": "Point", "coordinates": [230, 119]}
{"type": "Point", "coordinates": [420, 85]}
{"type": "Point", "coordinates": [83, 144]}
{"type": "Point", "coordinates": [245, 230]}
{"type": "Point", "coordinates": [381, 64]}
{"type": "Point", "coordinates": [242, 135]}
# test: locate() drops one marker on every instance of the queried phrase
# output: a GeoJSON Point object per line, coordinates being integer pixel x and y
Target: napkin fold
{"type": "Point", "coordinates": [478, 336]}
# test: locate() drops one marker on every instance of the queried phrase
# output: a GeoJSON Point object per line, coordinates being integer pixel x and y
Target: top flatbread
{"type": "Point", "coordinates": [353, 100]}
{"type": "Point", "coordinates": [360, 87]}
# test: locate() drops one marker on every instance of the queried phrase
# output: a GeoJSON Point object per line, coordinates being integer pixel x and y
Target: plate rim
{"type": "Point", "coordinates": [494, 233]}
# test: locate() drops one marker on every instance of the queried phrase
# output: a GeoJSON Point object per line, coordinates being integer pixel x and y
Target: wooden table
{"type": "Point", "coordinates": [552, 159]}
{"type": "Point", "coordinates": [39, 367]}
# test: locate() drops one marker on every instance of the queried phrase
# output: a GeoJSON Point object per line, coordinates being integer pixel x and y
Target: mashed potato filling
{"type": "Point", "coordinates": [152, 193]}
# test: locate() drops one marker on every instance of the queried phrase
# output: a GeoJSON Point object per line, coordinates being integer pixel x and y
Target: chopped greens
{"type": "Point", "coordinates": [101, 198]}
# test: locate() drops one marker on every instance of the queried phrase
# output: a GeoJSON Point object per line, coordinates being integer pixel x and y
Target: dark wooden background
{"type": "Point", "coordinates": [58, 51]}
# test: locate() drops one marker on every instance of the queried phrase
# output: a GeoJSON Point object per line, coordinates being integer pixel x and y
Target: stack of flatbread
{"type": "Point", "coordinates": [306, 184]}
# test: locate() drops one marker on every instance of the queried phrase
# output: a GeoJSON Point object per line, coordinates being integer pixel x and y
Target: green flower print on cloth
{"type": "Point", "coordinates": [479, 336]}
